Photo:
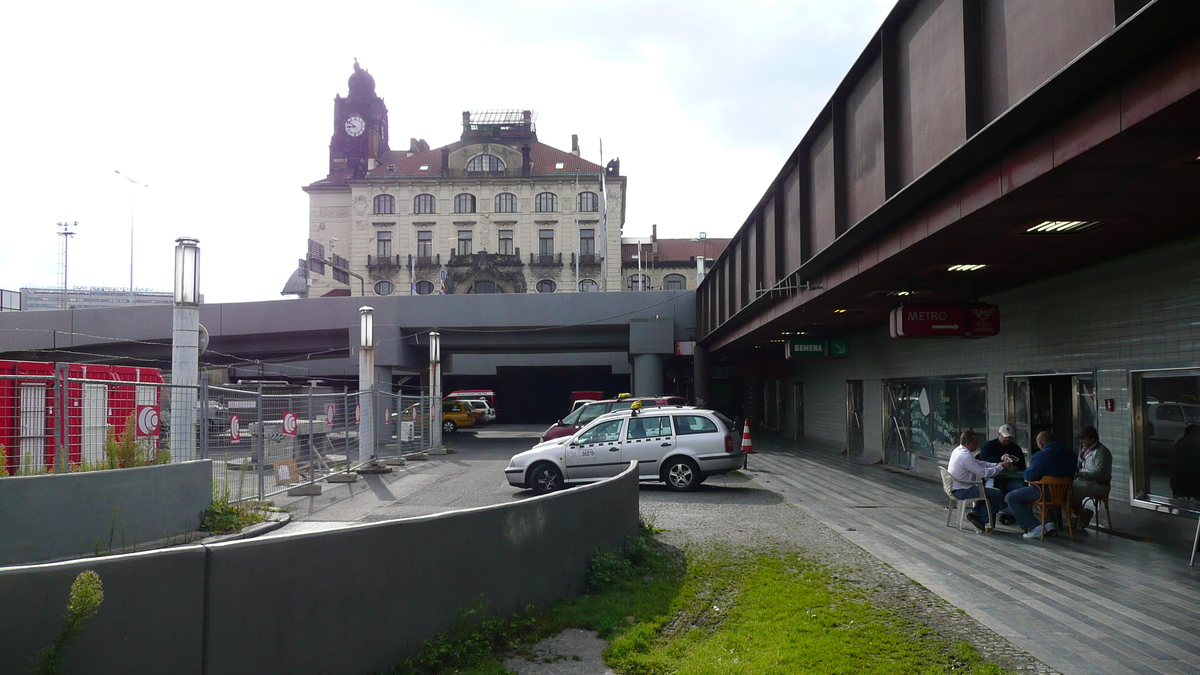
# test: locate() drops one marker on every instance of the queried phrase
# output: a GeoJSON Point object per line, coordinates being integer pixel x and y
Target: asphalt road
{"type": "Point", "coordinates": [473, 475]}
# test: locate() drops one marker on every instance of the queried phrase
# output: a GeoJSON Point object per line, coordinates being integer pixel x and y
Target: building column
{"type": "Point", "coordinates": [647, 374]}
{"type": "Point", "coordinates": [702, 376]}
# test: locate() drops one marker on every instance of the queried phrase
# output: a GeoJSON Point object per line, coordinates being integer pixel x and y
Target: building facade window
{"type": "Point", "coordinates": [487, 287]}
{"type": "Point", "coordinates": [674, 282]}
{"type": "Point", "coordinates": [384, 288]}
{"type": "Point", "coordinates": [385, 204]}
{"type": "Point", "coordinates": [546, 286]}
{"type": "Point", "coordinates": [506, 243]}
{"type": "Point", "coordinates": [587, 242]}
{"type": "Point", "coordinates": [545, 202]}
{"type": "Point", "coordinates": [424, 203]}
{"type": "Point", "coordinates": [465, 242]}
{"type": "Point", "coordinates": [587, 201]}
{"type": "Point", "coordinates": [383, 244]}
{"type": "Point", "coordinates": [506, 202]}
{"type": "Point", "coordinates": [464, 203]}
{"type": "Point", "coordinates": [485, 163]}
{"type": "Point", "coordinates": [639, 282]}
{"type": "Point", "coordinates": [425, 244]}
{"type": "Point", "coordinates": [588, 286]}
{"type": "Point", "coordinates": [925, 416]}
{"type": "Point", "coordinates": [545, 242]}
{"type": "Point", "coordinates": [423, 287]}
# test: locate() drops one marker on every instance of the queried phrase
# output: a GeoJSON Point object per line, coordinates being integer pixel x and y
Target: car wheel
{"type": "Point", "coordinates": [681, 474]}
{"type": "Point", "coordinates": [545, 478]}
{"type": "Point", "coordinates": [449, 426]}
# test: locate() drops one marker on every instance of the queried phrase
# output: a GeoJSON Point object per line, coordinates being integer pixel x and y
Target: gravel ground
{"type": "Point", "coordinates": [734, 512]}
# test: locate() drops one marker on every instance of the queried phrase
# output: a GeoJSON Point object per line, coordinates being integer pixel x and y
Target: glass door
{"type": "Point", "coordinates": [1017, 393]}
{"type": "Point", "coordinates": [897, 434]}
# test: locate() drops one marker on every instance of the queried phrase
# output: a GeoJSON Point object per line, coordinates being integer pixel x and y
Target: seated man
{"type": "Point", "coordinates": [998, 449]}
{"type": "Point", "coordinates": [1054, 460]}
{"type": "Point", "coordinates": [1093, 475]}
{"type": "Point", "coordinates": [964, 468]}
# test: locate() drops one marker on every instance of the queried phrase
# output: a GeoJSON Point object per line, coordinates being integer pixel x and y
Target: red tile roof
{"type": "Point", "coordinates": [676, 250]}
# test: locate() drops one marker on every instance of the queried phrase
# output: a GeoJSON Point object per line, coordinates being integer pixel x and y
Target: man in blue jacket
{"type": "Point", "coordinates": [1055, 460]}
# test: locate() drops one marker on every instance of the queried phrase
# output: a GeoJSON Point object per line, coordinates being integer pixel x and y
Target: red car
{"type": "Point", "coordinates": [586, 413]}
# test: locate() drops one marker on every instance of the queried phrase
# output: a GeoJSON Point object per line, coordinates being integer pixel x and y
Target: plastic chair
{"type": "Point", "coordinates": [1055, 494]}
{"type": "Point", "coordinates": [961, 504]}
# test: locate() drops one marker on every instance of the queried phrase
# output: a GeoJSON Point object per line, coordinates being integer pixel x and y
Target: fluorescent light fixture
{"type": "Point", "coordinates": [1063, 226]}
{"type": "Point", "coordinates": [840, 311]}
{"type": "Point", "coordinates": [965, 268]}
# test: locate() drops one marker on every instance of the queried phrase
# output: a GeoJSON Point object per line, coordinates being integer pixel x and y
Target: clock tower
{"type": "Point", "coordinates": [360, 127]}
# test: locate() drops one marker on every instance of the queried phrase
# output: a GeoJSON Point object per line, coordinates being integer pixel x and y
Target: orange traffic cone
{"type": "Point", "coordinates": [747, 447]}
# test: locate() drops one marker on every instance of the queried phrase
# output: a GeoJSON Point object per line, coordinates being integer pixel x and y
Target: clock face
{"type": "Point", "coordinates": [355, 125]}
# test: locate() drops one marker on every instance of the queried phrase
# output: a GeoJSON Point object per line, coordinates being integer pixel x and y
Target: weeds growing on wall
{"type": "Point", "coordinates": [227, 515]}
{"type": "Point", "coordinates": [128, 451]}
{"type": "Point", "coordinates": [84, 601]}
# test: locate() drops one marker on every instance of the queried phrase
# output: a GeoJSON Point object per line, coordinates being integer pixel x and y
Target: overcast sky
{"type": "Point", "coordinates": [225, 110]}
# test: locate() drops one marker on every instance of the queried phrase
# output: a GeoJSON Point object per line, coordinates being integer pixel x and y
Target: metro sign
{"type": "Point", "coordinates": [977, 320]}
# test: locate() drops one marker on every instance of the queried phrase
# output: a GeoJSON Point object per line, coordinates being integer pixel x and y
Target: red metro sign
{"type": "Point", "coordinates": [976, 320]}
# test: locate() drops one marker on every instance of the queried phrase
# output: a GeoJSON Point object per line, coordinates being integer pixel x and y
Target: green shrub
{"type": "Point", "coordinates": [86, 595]}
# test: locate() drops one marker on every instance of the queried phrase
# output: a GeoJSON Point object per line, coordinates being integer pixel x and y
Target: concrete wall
{"type": "Point", "coordinates": [61, 516]}
{"type": "Point", "coordinates": [350, 601]}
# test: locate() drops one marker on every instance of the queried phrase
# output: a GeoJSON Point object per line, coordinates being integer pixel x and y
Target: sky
{"type": "Point", "coordinates": [222, 111]}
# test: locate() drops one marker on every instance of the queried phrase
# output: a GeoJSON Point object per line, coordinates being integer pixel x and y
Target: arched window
{"type": "Point", "coordinates": [674, 282]}
{"type": "Point", "coordinates": [588, 286]}
{"type": "Point", "coordinates": [423, 287]}
{"type": "Point", "coordinates": [464, 203]}
{"type": "Point", "coordinates": [545, 202]}
{"type": "Point", "coordinates": [506, 202]}
{"type": "Point", "coordinates": [587, 201]}
{"type": "Point", "coordinates": [639, 282]}
{"type": "Point", "coordinates": [424, 203]}
{"type": "Point", "coordinates": [487, 287]}
{"type": "Point", "coordinates": [546, 286]}
{"type": "Point", "coordinates": [385, 204]}
{"type": "Point", "coordinates": [485, 163]}
{"type": "Point", "coordinates": [384, 288]}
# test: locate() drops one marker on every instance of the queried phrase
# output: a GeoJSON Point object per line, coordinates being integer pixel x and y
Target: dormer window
{"type": "Point", "coordinates": [485, 163]}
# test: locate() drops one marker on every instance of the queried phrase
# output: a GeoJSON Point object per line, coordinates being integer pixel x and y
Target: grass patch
{"type": "Point", "coordinates": [712, 611]}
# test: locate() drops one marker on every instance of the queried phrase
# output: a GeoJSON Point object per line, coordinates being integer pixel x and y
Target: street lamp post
{"type": "Point", "coordinates": [185, 350]}
{"type": "Point", "coordinates": [435, 391]}
{"type": "Point", "coordinates": [366, 384]}
{"type": "Point", "coordinates": [132, 202]}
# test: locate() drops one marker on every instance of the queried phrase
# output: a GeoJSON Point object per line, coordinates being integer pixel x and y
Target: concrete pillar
{"type": "Point", "coordinates": [366, 402]}
{"type": "Point", "coordinates": [185, 370]}
{"type": "Point", "coordinates": [702, 376]}
{"type": "Point", "coordinates": [647, 374]}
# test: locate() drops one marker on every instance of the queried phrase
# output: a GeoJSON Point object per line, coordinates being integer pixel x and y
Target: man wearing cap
{"type": "Point", "coordinates": [1093, 477]}
{"type": "Point", "coordinates": [964, 468]}
{"type": "Point", "coordinates": [998, 449]}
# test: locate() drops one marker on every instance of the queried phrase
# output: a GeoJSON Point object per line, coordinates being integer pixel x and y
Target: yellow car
{"type": "Point", "coordinates": [455, 415]}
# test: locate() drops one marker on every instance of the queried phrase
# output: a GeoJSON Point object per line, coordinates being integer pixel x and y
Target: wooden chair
{"type": "Point", "coordinates": [960, 505]}
{"type": "Point", "coordinates": [1055, 495]}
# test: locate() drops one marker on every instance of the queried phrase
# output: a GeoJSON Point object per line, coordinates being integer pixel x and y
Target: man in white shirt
{"type": "Point", "coordinates": [964, 468]}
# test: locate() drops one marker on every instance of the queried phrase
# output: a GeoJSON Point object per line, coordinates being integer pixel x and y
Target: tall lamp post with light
{"type": "Point", "coordinates": [435, 391]}
{"type": "Point", "coordinates": [132, 202]}
{"type": "Point", "coordinates": [366, 384]}
{"type": "Point", "coordinates": [185, 350]}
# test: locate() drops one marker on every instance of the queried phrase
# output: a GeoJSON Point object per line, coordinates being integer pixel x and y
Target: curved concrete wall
{"type": "Point", "coordinates": [348, 601]}
{"type": "Point", "coordinates": [70, 515]}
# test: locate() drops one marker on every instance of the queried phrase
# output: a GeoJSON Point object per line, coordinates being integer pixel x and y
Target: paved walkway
{"type": "Point", "coordinates": [1099, 604]}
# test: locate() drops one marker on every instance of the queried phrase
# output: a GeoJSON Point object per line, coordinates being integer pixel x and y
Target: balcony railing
{"type": "Point", "coordinates": [545, 259]}
{"type": "Point", "coordinates": [484, 258]}
{"type": "Point", "coordinates": [587, 259]}
{"type": "Point", "coordinates": [424, 262]}
{"type": "Point", "coordinates": [377, 262]}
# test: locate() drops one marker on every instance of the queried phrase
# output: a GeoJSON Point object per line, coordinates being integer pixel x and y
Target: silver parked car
{"type": "Point", "coordinates": [679, 445]}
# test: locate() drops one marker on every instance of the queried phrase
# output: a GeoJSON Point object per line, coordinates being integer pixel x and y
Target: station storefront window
{"type": "Point", "coordinates": [1166, 419]}
{"type": "Point", "coordinates": [923, 417]}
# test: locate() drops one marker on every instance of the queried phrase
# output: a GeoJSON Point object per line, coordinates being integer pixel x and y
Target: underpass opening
{"type": "Point", "coordinates": [539, 394]}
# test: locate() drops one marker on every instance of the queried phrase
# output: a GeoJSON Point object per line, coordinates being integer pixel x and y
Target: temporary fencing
{"type": "Point", "coordinates": [264, 438]}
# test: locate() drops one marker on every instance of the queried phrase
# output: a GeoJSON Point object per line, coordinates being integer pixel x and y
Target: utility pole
{"type": "Point", "coordinates": [66, 233]}
{"type": "Point", "coordinates": [132, 201]}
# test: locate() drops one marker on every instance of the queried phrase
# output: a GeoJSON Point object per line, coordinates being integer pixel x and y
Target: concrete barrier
{"type": "Point", "coordinates": [62, 516]}
{"type": "Point", "coordinates": [350, 601]}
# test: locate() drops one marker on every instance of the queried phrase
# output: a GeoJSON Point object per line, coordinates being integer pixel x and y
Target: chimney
{"type": "Point", "coordinates": [575, 144]}
{"type": "Point", "coordinates": [528, 117]}
{"type": "Point", "coordinates": [445, 162]}
{"type": "Point", "coordinates": [466, 121]}
{"type": "Point", "coordinates": [526, 163]}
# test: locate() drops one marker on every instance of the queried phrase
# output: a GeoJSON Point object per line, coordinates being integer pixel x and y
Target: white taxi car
{"type": "Point", "coordinates": [679, 445]}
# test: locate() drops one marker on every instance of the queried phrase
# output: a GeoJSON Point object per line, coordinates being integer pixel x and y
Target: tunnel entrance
{"type": "Point", "coordinates": [538, 394]}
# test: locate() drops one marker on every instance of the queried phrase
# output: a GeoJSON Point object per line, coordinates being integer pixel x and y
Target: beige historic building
{"type": "Point", "coordinates": [653, 264]}
{"type": "Point", "coordinates": [495, 212]}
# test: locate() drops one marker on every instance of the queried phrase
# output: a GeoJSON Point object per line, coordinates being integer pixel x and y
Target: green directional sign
{"type": "Point", "coordinates": [817, 348]}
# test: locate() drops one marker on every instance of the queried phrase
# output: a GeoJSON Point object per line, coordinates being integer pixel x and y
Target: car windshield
{"type": "Point", "coordinates": [573, 417]}
{"type": "Point", "coordinates": [1192, 413]}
